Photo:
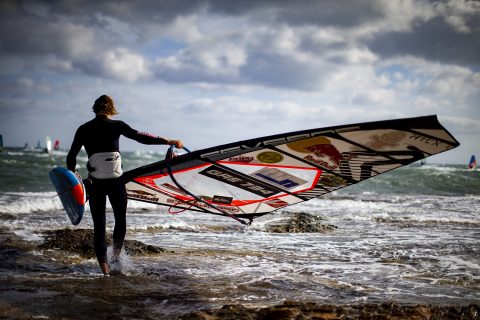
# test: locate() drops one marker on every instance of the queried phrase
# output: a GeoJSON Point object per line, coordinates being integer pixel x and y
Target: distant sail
{"type": "Point", "coordinates": [56, 146]}
{"type": "Point", "coordinates": [48, 145]}
{"type": "Point", "coordinates": [1, 142]}
{"type": "Point", "coordinates": [473, 162]}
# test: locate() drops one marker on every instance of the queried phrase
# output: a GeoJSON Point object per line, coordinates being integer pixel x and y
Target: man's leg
{"type": "Point", "coordinates": [118, 200]}
{"type": "Point", "coordinates": [97, 207]}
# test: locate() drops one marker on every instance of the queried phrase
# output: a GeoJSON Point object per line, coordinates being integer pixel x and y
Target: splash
{"type": "Point", "coordinates": [121, 265]}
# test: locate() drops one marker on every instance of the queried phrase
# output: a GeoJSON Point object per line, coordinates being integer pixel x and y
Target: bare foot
{"type": "Point", "coordinates": [105, 268]}
{"type": "Point", "coordinates": [116, 254]}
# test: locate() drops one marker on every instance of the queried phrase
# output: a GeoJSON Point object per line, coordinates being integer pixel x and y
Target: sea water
{"type": "Point", "coordinates": [409, 236]}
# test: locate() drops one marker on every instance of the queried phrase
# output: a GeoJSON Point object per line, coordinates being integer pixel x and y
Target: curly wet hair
{"type": "Point", "coordinates": [104, 104]}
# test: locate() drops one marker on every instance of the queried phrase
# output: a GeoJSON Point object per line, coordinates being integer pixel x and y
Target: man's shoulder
{"type": "Point", "coordinates": [118, 123]}
{"type": "Point", "coordinates": [86, 124]}
{"type": "Point", "coordinates": [96, 122]}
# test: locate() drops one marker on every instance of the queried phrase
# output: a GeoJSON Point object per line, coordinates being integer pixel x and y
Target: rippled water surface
{"type": "Point", "coordinates": [409, 236]}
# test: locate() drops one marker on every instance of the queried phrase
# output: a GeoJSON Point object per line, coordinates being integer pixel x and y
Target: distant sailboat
{"type": "Point", "coordinates": [1, 142]}
{"type": "Point", "coordinates": [56, 146]}
{"type": "Point", "coordinates": [48, 145]}
{"type": "Point", "coordinates": [473, 162]}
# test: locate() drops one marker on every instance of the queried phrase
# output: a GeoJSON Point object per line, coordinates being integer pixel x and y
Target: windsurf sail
{"type": "Point", "coordinates": [250, 178]}
{"type": "Point", "coordinates": [56, 146]}
{"type": "Point", "coordinates": [473, 162]}
{"type": "Point", "coordinates": [48, 145]}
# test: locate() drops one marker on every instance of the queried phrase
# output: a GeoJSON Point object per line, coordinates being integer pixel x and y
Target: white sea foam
{"type": "Point", "coordinates": [27, 235]}
{"type": "Point", "coordinates": [145, 225]}
{"type": "Point", "coordinates": [28, 202]}
{"type": "Point", "coordinates": [388, 246]}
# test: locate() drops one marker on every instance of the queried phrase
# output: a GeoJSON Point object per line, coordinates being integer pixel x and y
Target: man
{"type": "Point", "coordinates": [100, 137]}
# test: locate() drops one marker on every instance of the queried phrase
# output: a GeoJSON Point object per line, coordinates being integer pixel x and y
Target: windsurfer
{"type": "Point", "coordinates": [473, 162]}
{"type": "Point", "coordinates": [100, 137]}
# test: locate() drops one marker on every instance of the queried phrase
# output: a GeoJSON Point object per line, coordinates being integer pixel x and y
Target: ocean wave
{"type": "Point", "coordinates": [22, 170]}
{"type": "Point", "coordinates": [376, 208]}
{"type": "Point", "coordinates": [398, 208]}
{"type": "Point", "coordinates": [28, 202]}
{"type": "Point", "coordinates": [425, 180]}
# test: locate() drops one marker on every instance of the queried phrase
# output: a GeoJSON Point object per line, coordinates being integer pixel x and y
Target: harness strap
{"type": "Point", "coordinates": [168, 159]}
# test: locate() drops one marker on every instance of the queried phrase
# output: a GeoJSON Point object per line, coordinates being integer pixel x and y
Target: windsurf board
{"type": "Point", "coordinates": [71, 191]}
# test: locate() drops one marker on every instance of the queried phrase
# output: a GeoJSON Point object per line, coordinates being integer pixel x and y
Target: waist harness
{"type": "Point", "coordinates": [105, 165]}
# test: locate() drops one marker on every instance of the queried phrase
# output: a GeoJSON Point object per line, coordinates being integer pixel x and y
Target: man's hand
{"type": "Point", "coordinates": [78, 175]}
{"type": "Point", "coordinates": [177, 143]}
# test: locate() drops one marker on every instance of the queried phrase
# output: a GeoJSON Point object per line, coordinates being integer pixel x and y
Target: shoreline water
{"type": "Point", "coordinates": [403, 242]}
{"type": "Point", "coordinates": [47, 286]}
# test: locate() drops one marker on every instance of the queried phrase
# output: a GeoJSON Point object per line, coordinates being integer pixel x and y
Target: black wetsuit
{"type": "Point", "coordinates": [102, 135]}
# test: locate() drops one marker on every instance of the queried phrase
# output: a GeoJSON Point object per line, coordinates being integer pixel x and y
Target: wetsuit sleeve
{"type": "Point", "coordinates": [74, 150]}
{"type": "Point", "coordinates": [142, 137]}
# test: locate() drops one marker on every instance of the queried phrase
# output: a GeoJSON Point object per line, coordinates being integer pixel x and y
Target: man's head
{"type": "Point", "coordinates": [104, 105]}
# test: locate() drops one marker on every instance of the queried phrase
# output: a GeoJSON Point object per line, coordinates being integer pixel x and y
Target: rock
{"type": "Point", "coordinates": [304, 310]}
{"type": "Point", "coordinates": [297, 222]}
{"type": "Point", "coordinates": [80, 241]}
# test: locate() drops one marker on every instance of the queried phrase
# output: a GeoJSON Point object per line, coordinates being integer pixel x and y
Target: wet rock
{"type": "Point", "coordinates": [80, 241]}
{"type": "Point", "coordinates": [9, 240]}
{"type": "Point", "coordinates": [297, 222]}
{"type": "Point", "coordinates": [299, 310]}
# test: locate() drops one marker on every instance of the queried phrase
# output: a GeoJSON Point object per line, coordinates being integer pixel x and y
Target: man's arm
{"type": "Point", "coordinates": [147, 138]}
{"type": "Point", "coordinates": [74, 150]}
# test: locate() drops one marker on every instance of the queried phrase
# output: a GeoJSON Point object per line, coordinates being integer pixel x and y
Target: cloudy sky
{"type": "Point", "coordinates": [217, 71]}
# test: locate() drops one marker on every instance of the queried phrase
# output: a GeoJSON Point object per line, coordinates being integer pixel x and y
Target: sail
{"type": "Point", "coordinates": [56, 146]}
{"type": "Point", "coordinates": [473, 162]}
{"type": "Point", "coordinates": [254, 177]}
{"type": "Point", "coordinates": [48, 145]}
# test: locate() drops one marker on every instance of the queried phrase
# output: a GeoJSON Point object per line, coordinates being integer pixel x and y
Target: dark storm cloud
{"type": "Point", "coordinates": [106, 38]}
{"type": "Point", "coordinates": [159, 11]}
{"type": "Point", "coordinates": [433, 40]}
{"type": "Point", "coordinates": [337, 13]}
{"type": "Point", "coordinates": [36, 27]}
{"type": "Point", "coordinates": [430, 35]}
{"type": "Point", "coordinates": [283, 72]}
